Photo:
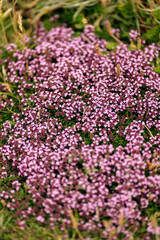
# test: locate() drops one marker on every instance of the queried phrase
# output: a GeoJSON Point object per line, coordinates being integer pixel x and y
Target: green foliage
{"type": "Point", "coordinates": [157, 69]}
{"type": "Point", "coordinates": [111, 45]}
{"type": "Point", "coordinates": [152, 35]}
{"type": "Point", "coordinates": [86, 137]}
{"type": "Point", "coordinates": [124, 17]}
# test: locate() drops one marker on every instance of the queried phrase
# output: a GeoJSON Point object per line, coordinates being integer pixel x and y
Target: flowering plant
{"type": "Point", "coordinates": [85, 136]}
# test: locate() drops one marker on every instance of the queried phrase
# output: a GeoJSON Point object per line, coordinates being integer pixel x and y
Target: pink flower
{"type": "Point", "coordinates": [40, 218]}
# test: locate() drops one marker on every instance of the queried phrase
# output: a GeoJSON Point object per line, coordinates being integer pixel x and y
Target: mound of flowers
{"type": "Point", "coordinates": [85, 135]}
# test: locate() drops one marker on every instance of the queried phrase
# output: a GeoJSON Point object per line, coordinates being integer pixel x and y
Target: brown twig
{"type": "Point", "coordinates": [109, 29]}
{"type": "Point", "coordinates": [149, 131]}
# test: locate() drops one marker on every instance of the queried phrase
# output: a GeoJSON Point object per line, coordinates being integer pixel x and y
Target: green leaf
{"type": "Point", "coordinates": [111, 45]}
{"type": "Point", "coordinates": [152, 35]}
{"type": "Point", "coordinates": [157, 69]}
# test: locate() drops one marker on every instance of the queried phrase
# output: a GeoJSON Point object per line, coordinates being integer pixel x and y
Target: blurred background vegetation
{"type": "Point", "coordinates": [123, 14]}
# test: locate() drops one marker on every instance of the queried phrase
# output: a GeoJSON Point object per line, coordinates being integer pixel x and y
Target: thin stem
{"type": "Point", "coordinates": [10, 110]}
{"type": "Point", "coordinates": [108, 26]}
{"type": "Point", "coordinates": [4, 33]}
{"type": "Point", "coordinates": [14, 17]}
{"type": "Point", "coordinates": [11, 16]}
{"type": "Point", "coordinates": [136, 16]}
{"type": "Point", "coordinates": [149, 131]}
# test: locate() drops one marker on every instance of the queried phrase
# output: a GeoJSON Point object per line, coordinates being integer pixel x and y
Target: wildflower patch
{"type": "Point", "coordinates": [85, 133]}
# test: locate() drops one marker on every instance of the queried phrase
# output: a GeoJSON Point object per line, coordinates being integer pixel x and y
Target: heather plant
{"type": "Point", "coordinates": [80, 151]}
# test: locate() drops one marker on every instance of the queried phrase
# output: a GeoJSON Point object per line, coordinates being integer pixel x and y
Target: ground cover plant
{"type": "Point", "coordinates": [82, 141]}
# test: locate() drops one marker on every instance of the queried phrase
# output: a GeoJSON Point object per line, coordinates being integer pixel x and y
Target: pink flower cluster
{"type": "Point", "coordinates": [75, 109]}
{"type": "Point", "coordinates": [116, 31]}
{"type": "Point", "coordinates": [54, 17]}
{"type": "Point", "coordinates": [134, 34]}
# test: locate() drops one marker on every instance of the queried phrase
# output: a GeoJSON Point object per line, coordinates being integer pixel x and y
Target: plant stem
{"type": "Point", "coordinates": [4, 33]}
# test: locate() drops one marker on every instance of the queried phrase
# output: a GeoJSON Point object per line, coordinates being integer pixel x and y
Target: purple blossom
{"type": "Point", "coordinates": [73, 107]}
